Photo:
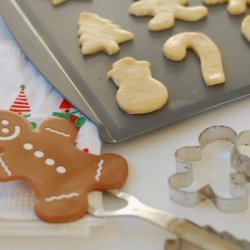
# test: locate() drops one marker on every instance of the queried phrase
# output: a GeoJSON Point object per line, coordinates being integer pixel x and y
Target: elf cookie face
{"type": "Point", "coordinates": [48, 160]}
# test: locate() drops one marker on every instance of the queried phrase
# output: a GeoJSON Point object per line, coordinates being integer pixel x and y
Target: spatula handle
{"type": "Point", "coordinates": [199, 237]}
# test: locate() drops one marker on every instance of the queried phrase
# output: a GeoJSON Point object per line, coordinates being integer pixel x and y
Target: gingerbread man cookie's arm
{"type": "Point", "coordinates": [58, 129]}
{"type": "Point", "coordinates": [176, 47]}
{"type": "Point", "coordinates": [235, 7]}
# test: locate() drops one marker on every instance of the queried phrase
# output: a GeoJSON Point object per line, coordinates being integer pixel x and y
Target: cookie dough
{"type": "Point", "coordinates": [138, 92]}
{"type": "Point", "coordinates": [165, 12]}
{"type": "Point", "coordinates": [99, 34]}
{"type": "Point", "coordinates": [235, 7]}
{"type": "Point", "coordinates": [57, 2]}
{"type": "Point", "coordinates": [175, 48]}
{"type": "Point", "coordinates": [245, 27]}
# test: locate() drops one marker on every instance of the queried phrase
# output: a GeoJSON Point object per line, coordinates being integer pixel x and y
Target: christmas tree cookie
{"type": "Point", "coordinates": [99, 34]}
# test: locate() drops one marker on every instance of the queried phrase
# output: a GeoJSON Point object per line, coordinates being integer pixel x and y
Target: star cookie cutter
{"type": "Point", "coordinates": [185, 157]}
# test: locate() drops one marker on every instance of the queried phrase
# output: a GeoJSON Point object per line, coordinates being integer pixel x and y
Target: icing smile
{"type": "Point", "coordinates": [12, 136]}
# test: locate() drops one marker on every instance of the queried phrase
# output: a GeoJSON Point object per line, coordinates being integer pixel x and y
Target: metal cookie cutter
{"type": "Point", "coordinates": [185, 157]}
{"type": "Point", "coordinates": [240, 158]}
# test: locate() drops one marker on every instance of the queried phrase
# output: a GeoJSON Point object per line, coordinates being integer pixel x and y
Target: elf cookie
{"type": "Point", "coordinates": [235, 7]}
{"type": "Point", "coordinates": [166, 11]}
{"type": "Point", "coordinates": [99, 34]}
{"type": "Point", "coordinates": [60, 174]}
{"type": "Point", "coordinates": [176, 47]}
{"type": "Point", "coordinates": [138, 92]}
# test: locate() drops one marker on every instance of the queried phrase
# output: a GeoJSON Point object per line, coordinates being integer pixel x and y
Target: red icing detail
{"type": "Point", "coordinates": [65, 105]}
{"type": "Point", "coordinates": [73, 118]}
{"type": "Point", "coordinates": [86, 150]}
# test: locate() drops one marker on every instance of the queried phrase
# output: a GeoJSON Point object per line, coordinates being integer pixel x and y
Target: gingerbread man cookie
{"type": "Point", "coordinates": [60, 174]}
{"type": "Point", "coordinates": [166, 11]}
{"type": "Point", "coordinates": [99, 34]}
{"type": "Point", "coordinates": [138, 92]}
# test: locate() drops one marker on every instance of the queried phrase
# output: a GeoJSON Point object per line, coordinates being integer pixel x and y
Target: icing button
{"type": "Point", "coordinates": [39, 154]}
{"type": "Point", "coordinates": [5, 130]}
{"type": "Point", "coordinates": [49, 162]}
{"type": "Point", "coordinates": [61, 170]}
{"type": "Point", "coordinates": [28, 146]}
{"type": "Point", "coordinates": [5, 122]}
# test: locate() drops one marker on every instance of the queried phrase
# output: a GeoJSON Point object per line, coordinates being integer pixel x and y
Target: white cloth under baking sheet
{"type": "Point", "coordinates": [17, 217]}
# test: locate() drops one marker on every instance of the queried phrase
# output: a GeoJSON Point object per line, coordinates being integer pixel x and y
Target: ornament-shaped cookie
{"type": "Point", "coordinates": [60, 174]}
{"type": "Point", "coordinates": [99, 34]}
{"type": "Point", "coordinates": [165, 12]}
{"type": "Point", "coordinates": [138, 92]}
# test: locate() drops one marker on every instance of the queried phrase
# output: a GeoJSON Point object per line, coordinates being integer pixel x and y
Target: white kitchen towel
{"type": "Point", "coordinates": [25, 91]}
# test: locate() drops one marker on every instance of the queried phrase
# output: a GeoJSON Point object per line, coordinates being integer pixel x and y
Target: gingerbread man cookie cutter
{"type": "Point", "coordinates": [185, 158]}
{"type": "Point", "coordinates": [240, 158]}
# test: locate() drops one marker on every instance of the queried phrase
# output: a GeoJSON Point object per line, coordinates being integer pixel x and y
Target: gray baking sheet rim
{"type": "Point", "coordinates": [48, 35]}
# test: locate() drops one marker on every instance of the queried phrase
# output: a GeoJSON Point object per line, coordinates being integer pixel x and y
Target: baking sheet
{"type": "Point", "coordinates": [48, 35]}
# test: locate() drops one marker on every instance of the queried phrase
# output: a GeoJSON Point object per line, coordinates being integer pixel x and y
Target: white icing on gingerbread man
{"type": "Point", "coordinates": [6, 130]}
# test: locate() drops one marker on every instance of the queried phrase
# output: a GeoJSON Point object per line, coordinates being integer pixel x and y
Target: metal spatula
{"type": "Point", "coordinates": [189, 234]}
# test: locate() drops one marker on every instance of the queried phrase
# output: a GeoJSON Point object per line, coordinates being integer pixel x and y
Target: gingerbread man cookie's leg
{"type": "Point", "coordinates": [62, 207]}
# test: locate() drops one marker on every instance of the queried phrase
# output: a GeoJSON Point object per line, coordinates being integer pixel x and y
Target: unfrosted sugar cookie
{"type": "Point", "coordinates": [245, 27]}
{"type": "Point", "coordinates": [138, 92]}
{"type": "Point", "coordinates": [57, 2]}
{"type": "Point", "coordinates": [99, 34]}
{"type": "Point", "coordinates": [175, 48]}
{"type": "Point", "coordinates": [165, 12]}
{"type": "Point", "coordinates": [61, 174]}
{"type": "Point", "coordinates": [235, 7]}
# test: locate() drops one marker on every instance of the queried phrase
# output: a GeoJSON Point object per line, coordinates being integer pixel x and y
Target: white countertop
{"type": "Point", "coordinates": [151, 161]}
